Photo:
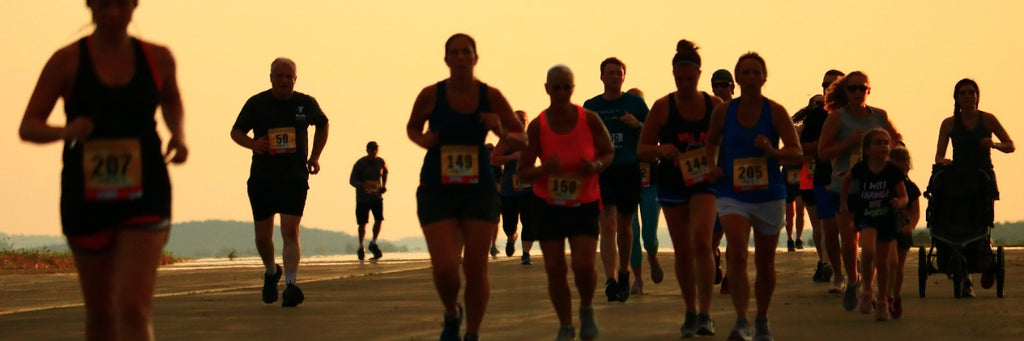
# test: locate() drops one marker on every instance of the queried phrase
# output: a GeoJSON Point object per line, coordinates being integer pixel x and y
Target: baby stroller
{"type": "Point", "coordinates": [960, 220]}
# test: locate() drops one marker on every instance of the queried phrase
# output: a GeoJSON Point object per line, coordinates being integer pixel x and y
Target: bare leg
{"type": "Point", "coordinates": [558, 283]}
{"type": "Point", "coordinates": [264, 231]}
{"type": "Point", "coordinates": [764, 261]}
{"type": "Point", "coordinates": [737, 231]}
{"type": "Point", "coordinates": [478, 289]}
{"type": "Point", "coordinates": [609, 255]}
{"type": "Point", "coordinates": [292, 250]}
{"type": "Point", "coordinates": [137, 258]}
{"type": "Point", "coordinates": [96, 276]}
{"type": "Point", "coordinates": [584, 249]}
{"type": "Point", "coordinates": [444, 245]}
{"type": "Point", "coordinates": [678, 219]}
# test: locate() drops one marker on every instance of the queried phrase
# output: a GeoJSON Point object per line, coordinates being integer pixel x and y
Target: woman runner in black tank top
{"type": "Point", "coordinates": [115, 192]}
{"type": "Point", "coordinates": [674, 134]}
{"type": "Point", "coordinates": [457, 202]}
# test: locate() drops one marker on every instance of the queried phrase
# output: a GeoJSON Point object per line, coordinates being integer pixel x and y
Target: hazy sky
{"type": "Point", "coordinates": [365, 61]}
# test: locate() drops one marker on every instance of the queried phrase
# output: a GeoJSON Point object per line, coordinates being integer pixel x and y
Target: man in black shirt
{"type": "Point", "coordinates": [370, 178]}
{"type": "Point", "coordinates": [278, 177]}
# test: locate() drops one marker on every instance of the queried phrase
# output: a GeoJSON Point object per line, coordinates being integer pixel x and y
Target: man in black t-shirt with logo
{"type": "Point", "coordinates": [370, 178]}
{"type": "Point", "coordinates": [281, 164]}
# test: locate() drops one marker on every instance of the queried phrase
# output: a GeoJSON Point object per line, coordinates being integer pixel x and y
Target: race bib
{"type": "Point", "coordinates": [282, 140]}
{"type": "Point", "coordinates": [617, 139]}
{"type": "Point", "coordinates": [694, 165]}
{"type": "Point", "coordinates": [112, 169]}
{"type": "Point", "coordinates": [518, 184]}
{"type": "Point", "coordinates": [811, 165]}
{"type": "Point", "coordinates": [459, 164]}
{"type": "Point", "coordinates": [372, 186]}
{"type": "Point", "coordinates": [645, 175]}
{"type": "Point", "coordinates": [792, 176]}
{"type": "Point", "coordinates": [749, 174]}
{"type": "Point", "coordinates": [564, 190]}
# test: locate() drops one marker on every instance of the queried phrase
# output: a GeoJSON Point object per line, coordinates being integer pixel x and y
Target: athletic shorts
{"type": "Point", "coordinates": [668, 197]}
{"type": "Point", "coordinates": [363, 210]}
{"type": "Point", "coordinates": [284, 196]}
{"type": "Point", "coordinates": [792, 192]}
{"type": "Point", "coordinates": [104, 238]}
{"type": "Point", "coordinates": [826, 201]}
{"type": "Point", "coordinates": [560, 222]}
{"type": "Point", "coordinates": [904, 242]}
{"type": "Point", "coordinates": [620, 187]}
{"type": "Point", "coordinates": [519, 208]}
{"type": "Point", "coordinates": [807, 195]}
{"type": "Point", "coordinates": [767, 218]}
{"type": "Point", "coordinates": [887, 229]}
{"type": "Point", "coordinates": [479, 202]}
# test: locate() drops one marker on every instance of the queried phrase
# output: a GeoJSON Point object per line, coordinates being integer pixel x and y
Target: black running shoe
{"type": "Point", "coordinates": [611, 290]}
{"type": "Point", "coordinates": [817, 273]}
{"type": "Point", "coordinates": [361, 254]}
{"type": "Point", "coordinates": [623, 292]}
{"type": "Point", "coordinates": [292, 296]}
{"type": "Point", "coordinates": [270, 285]}
{"type": "Point", "coordinates": [799, 244]}
{"type": "Point", "coordinates": [450, 332]}
{"type": "Point", "coordinates": [510, 248]}
{"type": "Point", "coordinates": [375, 250]}
{"type": "Point", "coordinates": [790, 246]}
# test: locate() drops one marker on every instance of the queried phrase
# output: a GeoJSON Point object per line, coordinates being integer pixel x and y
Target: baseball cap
{"type": "Point", "coordinates": [371, 144]}
{"type": "Point", "coordinates": [722, 75]}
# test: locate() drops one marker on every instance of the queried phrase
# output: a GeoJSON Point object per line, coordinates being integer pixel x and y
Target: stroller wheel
{"type": "Point", "coordinates": [1000, 271]}
{"type": "Point", "coordinates": [958, 271]}
{"type": "Point", "coordinates": [922, 271]}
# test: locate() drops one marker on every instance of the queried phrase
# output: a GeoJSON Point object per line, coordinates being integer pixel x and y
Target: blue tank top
{"type": "Point", "coordinates": [459, 134]}
{"type": "Point", "coordinates": [738, 150]}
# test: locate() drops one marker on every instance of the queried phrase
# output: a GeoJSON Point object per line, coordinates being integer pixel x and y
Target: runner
{"type": "Point", "coordinates": [820, 205]}
{"type": "Point", "coordinates": [675, 134]}
{"type": "Point", "coordinates": [909, 216]}
{"type": "Point", "coordinates": [117, 216]}
{"type": "Point", "coordinates": [650, 211]}
{"type": "Point", "coordinates": [623, 115]}
{"type": "Point", "coordinates": [370, 179]}
{"type": "Point", "coordinates": [750, 189]}
{"type": "Point", "coordinates": [516, 199]}
{"type": "Point", "coordinates": [457, 202]}
{"type": "Point", "coordinates": [573, 147]}
{"type": "Point", "coordinates": [279, 175]}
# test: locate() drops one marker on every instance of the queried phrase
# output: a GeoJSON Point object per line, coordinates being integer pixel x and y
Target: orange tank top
{"type": "Point", "coordinates": [568, 186]}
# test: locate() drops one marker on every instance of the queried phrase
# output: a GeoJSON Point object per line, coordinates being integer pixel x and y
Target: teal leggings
{"type": "Point", "coordinates": [650, 210]}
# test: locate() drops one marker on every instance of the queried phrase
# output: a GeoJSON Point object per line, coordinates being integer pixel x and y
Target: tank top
{"type": "Point", "coordinates": [748, 175]}
{"type": "Point", "coordinates": [460, 159]}
{"type": "Point", "coordinates": [967, 149]}
{"type": "Point", "coordinates": [687, 136]}
{"type": "Point", "coordinates": [847, 126]}
{"type": "Point", "coordinates": [568, 187]}
{"type": "Point", "coordinates": [118, 172]}
{"type": "Point", "coordinates": [511, 184]}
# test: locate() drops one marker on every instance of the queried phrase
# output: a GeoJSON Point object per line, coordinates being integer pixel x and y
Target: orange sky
{"type": "Point", "coordinates": [366, 61]}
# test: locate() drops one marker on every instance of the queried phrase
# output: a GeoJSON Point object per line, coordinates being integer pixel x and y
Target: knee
{"type": "Point", "coordinates": [737, 257]}
{"type": "Point", "coordinates": [135, 312]}
{"type": "Point", "coordinates": [290, 236]}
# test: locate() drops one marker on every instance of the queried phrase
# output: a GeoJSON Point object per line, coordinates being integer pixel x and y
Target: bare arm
{"type": "Point", "coordinates": [319, 142]}
{"type": "Point", "coordinates": [353, 178]}
{"type": "Point", "coordinates": [844, 192]}
{"type": "Point", "coordinates": [1005, 144]}
{"type": "Point", "coordinates": [420, 112]}
{"type": "Point", "coordinates": [945, 131]}
{"type": "Point", "coordinates": [914, 213]}
{"type": "Point", "coordinates": [604, 152]}
{"type": "Point", "coordinates": [828, 145]}
{"type": "Point", "coordinates": [510, 129]}
{"type": "Point", "coordinates": [383, 175]}
{"type": "Point", "coordinates": [900, 200]}
{"type": "Point", "coordinates": [54, 79]}
{"type": "Point", "coordinates": [791, 152]}
{"type": "Point", "coordinates": [170, 103]}
{"type": "Point", "coordinates": [714, 139]}
{"type": "Point", "coordinates": [647, 148]}
{"type": "Point", "coordinates": [527, 168]}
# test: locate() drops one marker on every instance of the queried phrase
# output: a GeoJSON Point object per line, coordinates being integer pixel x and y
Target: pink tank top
{"type": "Point", "coordinates": [568, 187]}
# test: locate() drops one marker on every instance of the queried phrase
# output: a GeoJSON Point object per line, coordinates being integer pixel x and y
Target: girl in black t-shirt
{"type": "Point", "coordinates": [907, 219]}
{"type": "Point", "coordinates": [879, 194]}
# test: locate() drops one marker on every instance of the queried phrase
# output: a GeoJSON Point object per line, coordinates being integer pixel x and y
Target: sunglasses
{"type": "Point", "coordinates": [825, 85]}
{"type": "Point", "coordinates": [721, 85]}
{"type": "Point", "coordinates": [819, 104]}
{"type": "Point", "coordinates": [858, 87]}
{"type": "Point", "coordinates": [557, 87]}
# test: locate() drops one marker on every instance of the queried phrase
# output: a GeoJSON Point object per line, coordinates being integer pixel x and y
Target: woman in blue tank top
{"type": "Point", "coordinates": [841, 136]}
{"type": "Point", "coordinates": [457, 201]}
{"type": "Point", "coordinates": [750, 188]}
{"type": "Point", "coordinates": [115, 190]}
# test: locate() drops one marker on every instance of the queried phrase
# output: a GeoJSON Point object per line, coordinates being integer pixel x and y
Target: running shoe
{"type": "Point", "coordinates": [817, 272]}
{"type": "Point", "coordinates": [270, 285]}
{"type": "Point", "coordinates": [565, 333]}
{"type": "Point", "coordinates": [850, 296]}
{"type": "Point", "coordinates": [718, 266]}
{"type": "Point", "coordinates": [361, 254]}
{"type": "Point", "coordinates": [988, 278]}
{"type": "Point", "coordinates": [494, 251]}
{"type": "Point", "coordinates": [725, 286]}
{"type": "Point", "coordinates": [838, 286]}
{"type": "Point", "coordinates": [761, 330]}
{"type": "Point", "coordinates": [657, 275]}
{"type": "Point", "coordinates": [741, 332]}
{"type": "Point", "coordinates": [510, 248]}
{"type": "Point", "coordinates": [292, 296]}
{"type": "Point", "coordinates": [611, 289]}
{"type": "Point", "coordinates": [968, 289]}
{"type": "Point", "coordinates": [826, 273]}
{"type": "Point", "coordinates": [799, 244]}
{"type": "Point", "coordinates": [689, 327]}
{"type": "Point", "coordinates": [896, 308]}
{"type": "Point", "coordinates": [471, 338]}
{"type": "Point", "coordinates": [526, 259]}
{"type": "Point", "coordinates": [452, 323]}
{"type": "Point", "coordinates": [623, 293]}
{"type": "Point", "coordinates": [864, 303]}
{"type": "Point", "coordinates": [790, 246]}
{"type": "Point", "coordinates": [638, 288]}
{"type": "Point", "coordinates": [705, 326]}
{"type": "Point", "coordinates": [882, 311]}
{"type": "Point", "coordinates": [375, 250]}
{"type": "Point", "coordinates": [588, 325]}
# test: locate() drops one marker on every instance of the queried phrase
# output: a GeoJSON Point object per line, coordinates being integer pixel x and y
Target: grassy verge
{"type": "Point", "coordinates": [45, 259]}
